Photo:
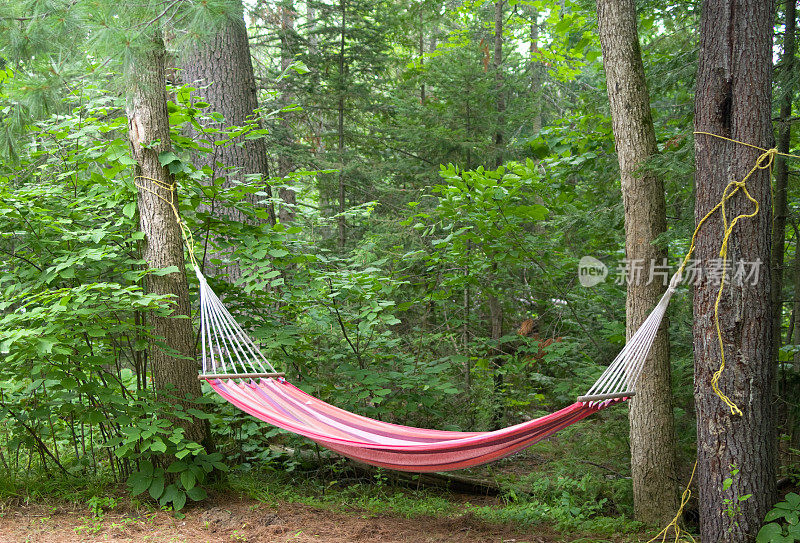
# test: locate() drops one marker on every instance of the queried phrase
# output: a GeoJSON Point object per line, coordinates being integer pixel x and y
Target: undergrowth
{"type": "Point", "coordinates": [569, 504]}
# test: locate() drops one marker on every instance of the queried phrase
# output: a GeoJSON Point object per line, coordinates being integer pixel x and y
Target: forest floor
{"type": "Point", "coordinates": [229, 517]}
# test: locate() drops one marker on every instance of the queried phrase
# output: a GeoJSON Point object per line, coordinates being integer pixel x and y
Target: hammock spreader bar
{"type": "Point", "coordinates": [232, 363]}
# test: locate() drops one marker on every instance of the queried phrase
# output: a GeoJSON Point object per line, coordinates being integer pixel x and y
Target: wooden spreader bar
{"type": "Point", "coordinates": [611, 396]}
{"type": "Point", "coordinates": [207, 376]}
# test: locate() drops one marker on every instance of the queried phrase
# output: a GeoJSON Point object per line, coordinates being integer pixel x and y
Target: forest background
{"type": "Point", "coordinates": [424, 180]}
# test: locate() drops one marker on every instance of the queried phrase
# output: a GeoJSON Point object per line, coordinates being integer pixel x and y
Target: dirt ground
{"type": "Point", "coordinates": [233, 519]}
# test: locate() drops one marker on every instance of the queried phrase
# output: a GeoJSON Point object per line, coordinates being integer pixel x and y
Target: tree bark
{"type": "Point", "coordinates": [782, 175]}
{"type": "Point", "coordinates": [341, 222]}
{"type": "Point", "coordinates": [535, 73]}
{"type": "Point", "coordinates": [733, 99]}
{"type": "Point", "coordinates": [171, 352]}
{"type": "Point", "coordinates": [500, 102]}
{"type": "Point", "coordinates": [286, 213]}
{"type": "Point", "coordinates": [652, 428]}
{"type": "Point", "coordinates": [794, 337]}
{"type": "Point", "coordinates": [222, 71]}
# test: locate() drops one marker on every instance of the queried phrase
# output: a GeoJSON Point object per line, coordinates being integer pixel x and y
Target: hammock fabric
{"type": "Point", "coordinates": [232, 363]}
{"type": "Point", "coordinates": [383, 444]}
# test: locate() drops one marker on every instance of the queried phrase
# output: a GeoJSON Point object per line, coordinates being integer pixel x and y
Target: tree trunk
{"type": "Point", "coordinates": [794, 337]}
{"type": "Point", "coordinates": [171, 353]}
{"type": "Point", "coordinates": [733, 100]}
{"type": "Point", "coordinates": [316, 120]}
{"type": "Point", "coordinates": [421, 52]}
{"type": "Point", "coordinates": [652, 428]}
{"type": "Point", "coordinates": [535, 73]}
{"type": "Point", "coordinates": [287, 195]}
{"type": "Point", "coordinates": [222, 71]}
{"type": "Point", "coordinates": [500, 103]}
{"type": "Point", "coordinates": [782, 175]}
{"type": "Point", "coordinates": [341, 222]}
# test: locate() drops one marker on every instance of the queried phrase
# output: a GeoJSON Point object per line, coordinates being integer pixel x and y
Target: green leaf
{"type": "Point", "coordinates": [146, 468]}
{"type": "Point", "coordinates": [129, 210]}
{"type": "Point", "coordinates": [179, 501]}
{"type": "Point", "coordinates": [138, 483]}
{"type": "Point", "coordinates": [44, 345]}
{"type": "Point", "coordinates": [177, 467]}
{"type": "Point", "coordinates": [188, 479]}
{"type": "Point", "coordinates": [197, 493]}
{"type": "Point", "coordinates": [169, 495]}
{"type": "Point", "coordinates": [166, 271]}
{"type": "Point", "coordinates": [156, 487]}
{"type": "Point", "coordinates": [299, 67]}
{"type": "Point", "coordinates": [770, 533]}
{"type": "Point", "coordinates": [774, 514]}
{"type": "Point", "coordinates": [167, 157]}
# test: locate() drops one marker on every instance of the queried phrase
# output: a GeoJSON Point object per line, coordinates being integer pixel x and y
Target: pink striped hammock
{"type": "Point", "coordinates": [238, 371]}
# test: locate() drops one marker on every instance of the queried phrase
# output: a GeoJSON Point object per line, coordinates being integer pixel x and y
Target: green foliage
{"type": "Point", "coordinates": [99, 504]}
{"type": "Point", "coordinates": [394, 325]}
{"type": "Point", "coordinates": [74, 383]}
{"type": "Point", "coordinates": [187, 476]}
{"type": "Point", "coordinates": [733, 507]}
{"type": "Point", "coordinates": [787, 527]}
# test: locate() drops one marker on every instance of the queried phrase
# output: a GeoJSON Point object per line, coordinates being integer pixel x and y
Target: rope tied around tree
{"type": "Point", "coordinates": [764, 161]}
{"type": "Point", "coordinates": [170, 189]}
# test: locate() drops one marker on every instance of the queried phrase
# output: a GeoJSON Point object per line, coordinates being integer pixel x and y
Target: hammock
{"type": "Point", "coordinates": [238, 371]}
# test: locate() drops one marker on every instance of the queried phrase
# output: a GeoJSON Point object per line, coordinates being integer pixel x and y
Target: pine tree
{"type": "Point", "coordinates": [171, 349]}
{"type": "Point", "coordinates": [652, 428]}
{"type": "Point", "coordinates": [219, 66]}
{"type": "Point", "coordinates": [733, 100]}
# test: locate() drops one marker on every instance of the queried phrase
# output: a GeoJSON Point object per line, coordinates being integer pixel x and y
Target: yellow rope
{"type": "Point", "coordinates": [764, 162]}
{"type": "Point", "coordinates": [687, 494]}
{"type": "Point", "coordinates": [169, 188]}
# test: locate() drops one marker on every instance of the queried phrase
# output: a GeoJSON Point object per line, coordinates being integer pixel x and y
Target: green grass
{"type": "Point", "coordinates": [569, 505]}
{"type": "Point", "coordinates": [325, 492]}
{"type": "Point", "coordinates": [39, 488]}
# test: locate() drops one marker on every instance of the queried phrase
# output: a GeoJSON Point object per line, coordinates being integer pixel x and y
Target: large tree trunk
{"type": "Point", "coordinates": [171, 351]}
{"type": "Point", "coordinates": [733, 100]}
{"type": "Point", "coordinates": [652, 428]}
{"type": "Point", "coordinates": [794, 336]}
{"type": "Point", "coordinates": [495, 307]}
{"type": "Point", "coordinates": [223, 65]}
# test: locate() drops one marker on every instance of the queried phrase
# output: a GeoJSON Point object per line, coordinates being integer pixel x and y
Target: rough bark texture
{"type": "Point", "coordinates": [652, 428]}
{"type": "Point", "coordinates": [782, 174]}
{"type": "Point", "coordinates": [148, 121]}
{"type": "Point", "coordinates": [794, 336]}
{"type": "Point", "coordinates": [733, 100]}
{"type": "Point", "coordinates": [222, 71]}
